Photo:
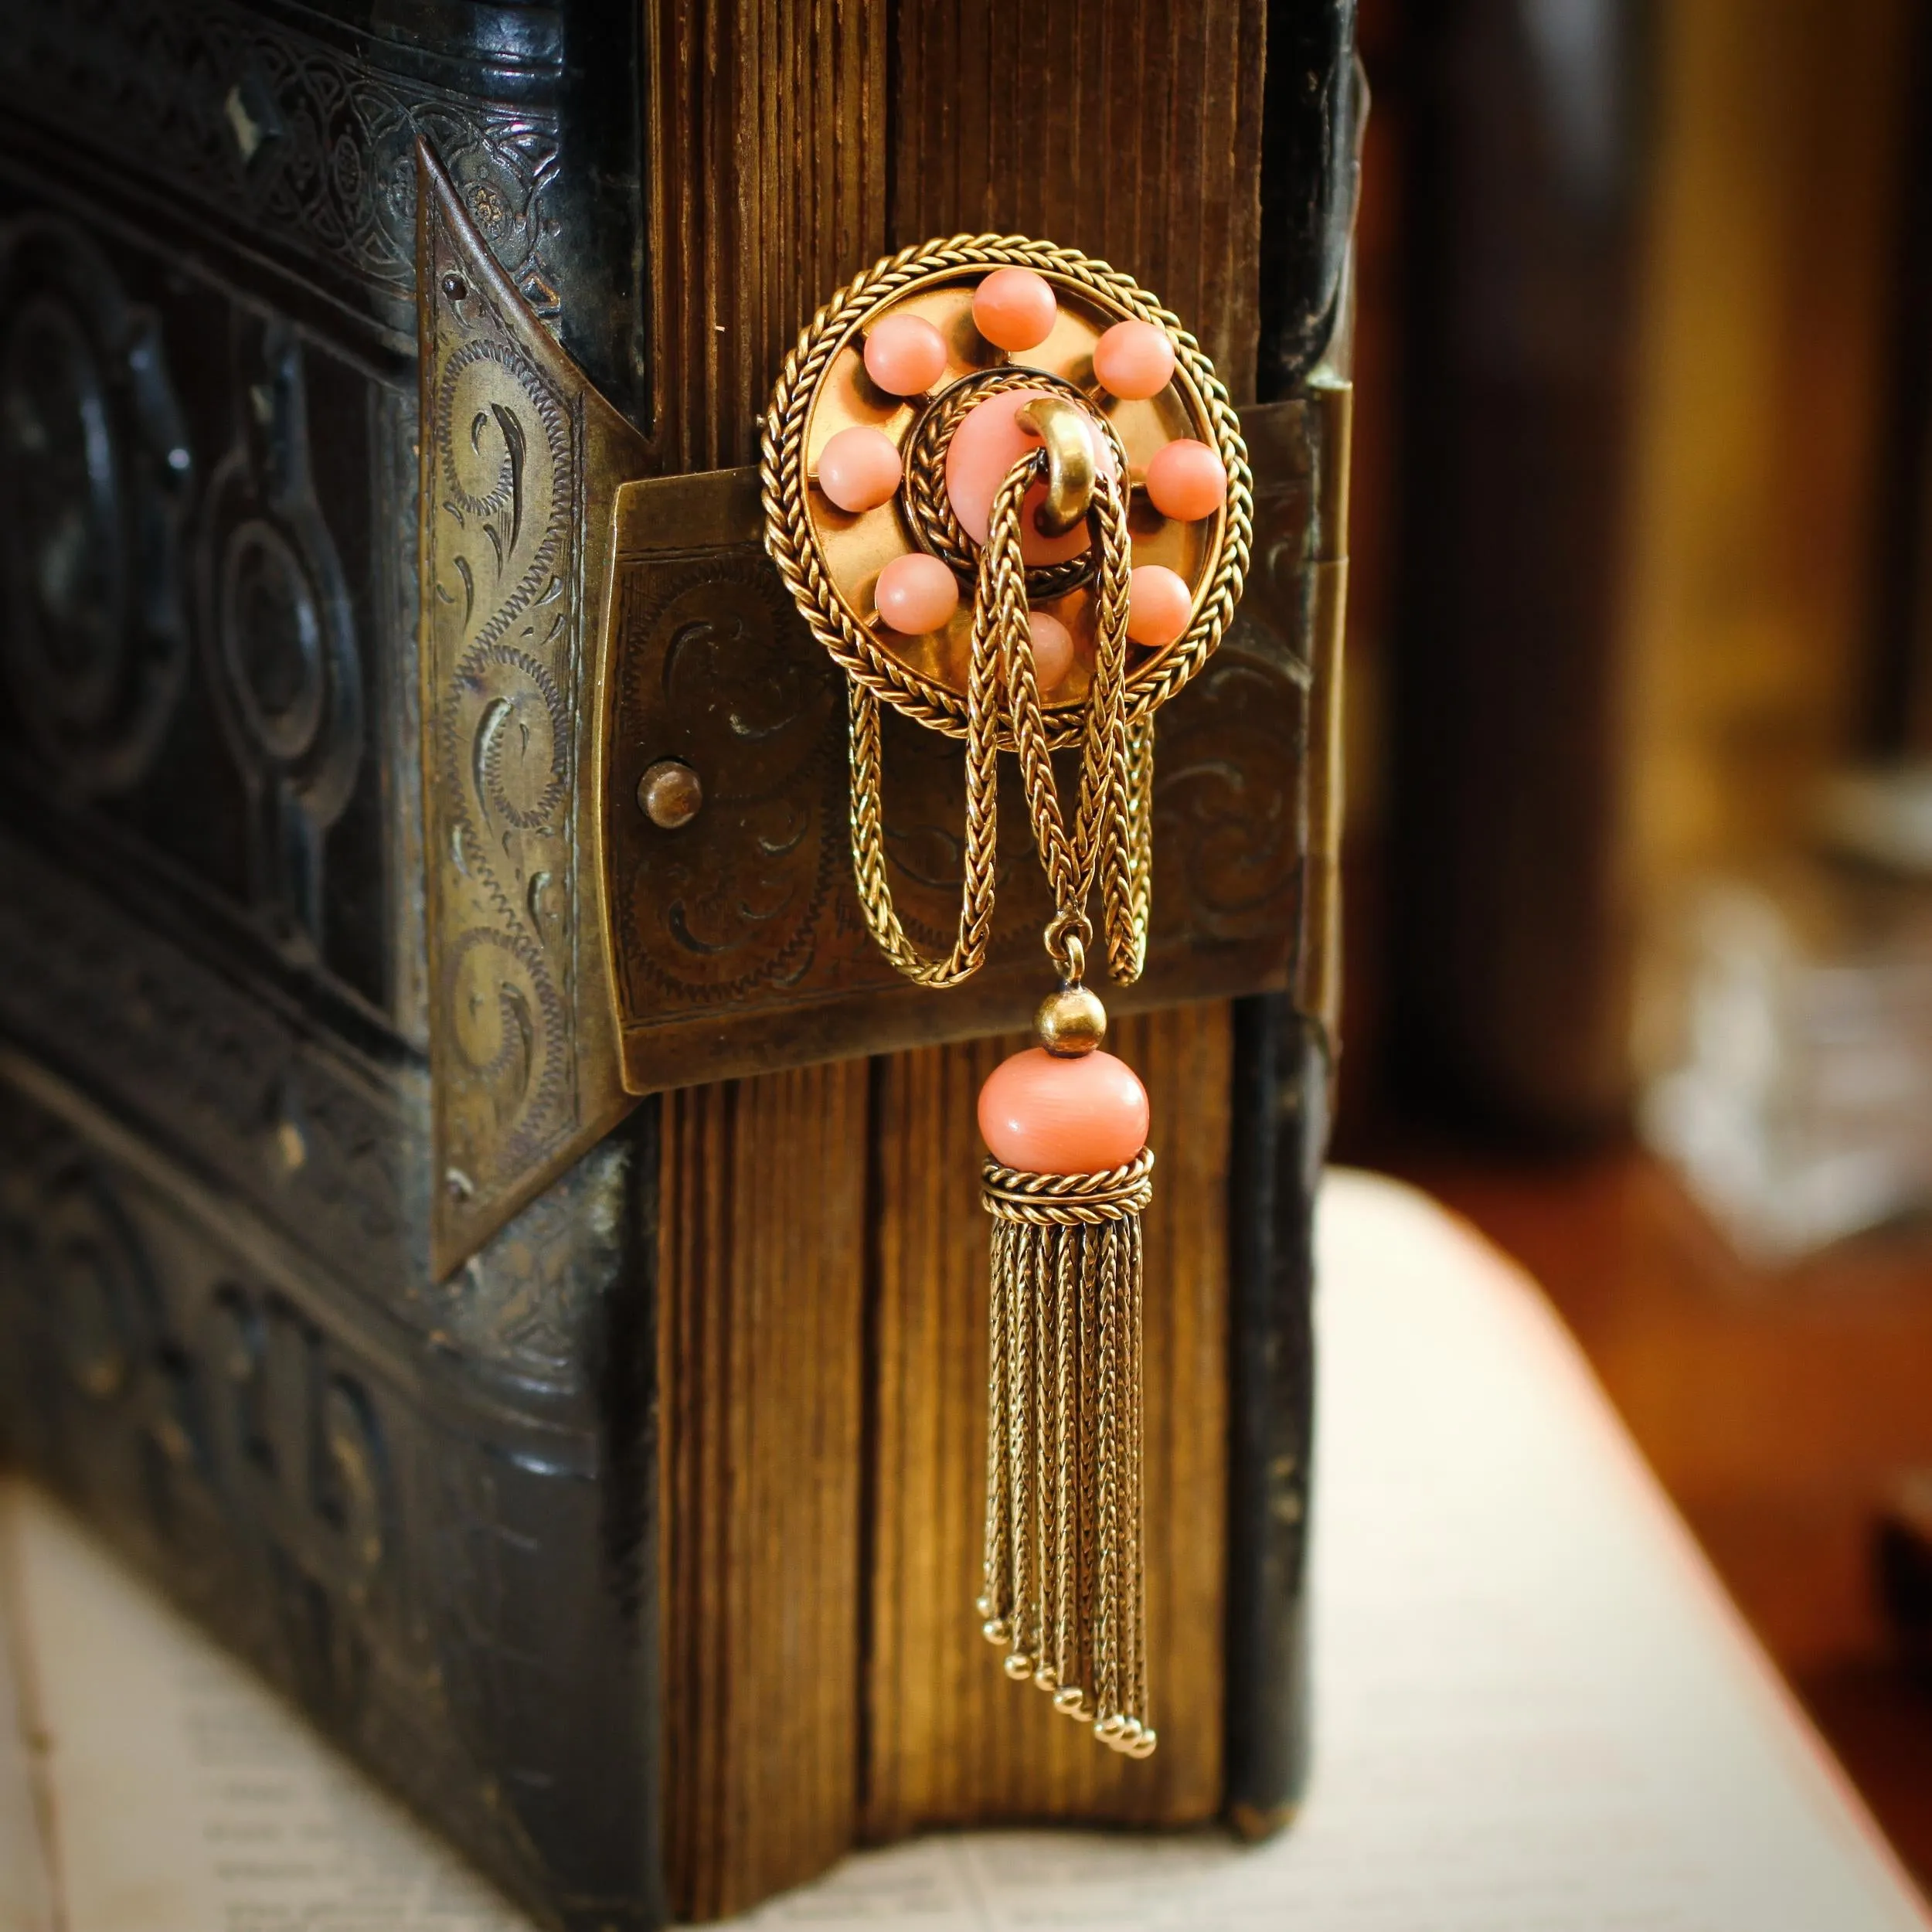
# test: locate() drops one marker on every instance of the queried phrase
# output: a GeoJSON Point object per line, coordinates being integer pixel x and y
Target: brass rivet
{"type": "Point", "coordinates": [669, 793]}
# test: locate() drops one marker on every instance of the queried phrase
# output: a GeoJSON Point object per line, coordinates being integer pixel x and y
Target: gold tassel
{"type": "Point", "coordinates": [1065, 1584]}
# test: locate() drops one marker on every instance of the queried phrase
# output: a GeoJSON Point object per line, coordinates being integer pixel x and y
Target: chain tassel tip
{"type": "Point", "coordinates": [1064, 1593]}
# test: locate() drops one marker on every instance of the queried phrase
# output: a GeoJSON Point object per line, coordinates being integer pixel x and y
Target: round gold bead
{"type": "Point", "coordinates": [1070, 1022]}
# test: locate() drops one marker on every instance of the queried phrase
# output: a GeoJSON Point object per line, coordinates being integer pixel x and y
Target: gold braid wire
{"type": "Point", "coordinates": [1044, 1243]}
{"type": "Point", "coordinates": [1002, 603]}
{"type": "Point", "coordinates": [1109, 836]}
{"type": "Point", "coordinates": [1080, 1706]}
{"type": "Point", "coordinates": [1131, 1672]}
{"type": "Point", "coordinates": [1119, 1633]}
{"type": "Point", "coordinates": [1107, 1604]}
{"type": "Point", "coordinates": [1133, 1596]}
{"type": "Point", "coordinates": [1042, 1439]}
{"type": "Point", "coordinates": [1066, 1663]}
{"type": "Point", "coordinates": [1068, 1259]}
{"type": "Point", "coordinates": [1071, 864]}
{"type": "Point", "coordinates": [1122, 1671]}
{"type": "Point", "coordinates": [1134, 1732]}
{"type": "Point", "coordinates": [981, 856]}
{"type": "Point", "coordinates": [996, 1605]}
{"type": "Point", "coordinates": [1044, 1354]}
{"type": "Point", "coordinates": [1143, 1744]}
{"type": "Point", "coordinates": [1007, 1286]}
{"type": "Point", "coordinates": [793, 544]}
{"type": "Point", "coordinates": [1019, 1663]}
{"type": "Point", "coordinates": [1126, 867]}
{"type": "Point", "coordinates": [1046, 1449]}
{"type": "Point", "coordinates": [1119, 841]}
{"type": "Point", "coordinates": [1046, 1200]}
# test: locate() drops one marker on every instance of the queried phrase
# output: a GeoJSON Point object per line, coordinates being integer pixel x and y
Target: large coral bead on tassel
{"type": "Point", "coordinates": [1047, 1114]}
{"type": "Point", "coordinates": [1065, 1125]}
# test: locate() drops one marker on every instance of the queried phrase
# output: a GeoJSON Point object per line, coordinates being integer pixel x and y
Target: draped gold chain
{"type": "Point", "coordinates": [1110, 844]}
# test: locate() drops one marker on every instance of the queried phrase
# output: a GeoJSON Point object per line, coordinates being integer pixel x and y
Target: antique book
{"type": "Point", "coordinates": [518, 1277]}
{"type": "Point", "coordinates": [1538, 1707]}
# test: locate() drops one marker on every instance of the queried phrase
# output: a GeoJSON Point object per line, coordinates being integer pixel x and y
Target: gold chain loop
{"type": "Point", "coordinates": [982, 788]}
{"type": "Point", "coordinates": [1112, 825]}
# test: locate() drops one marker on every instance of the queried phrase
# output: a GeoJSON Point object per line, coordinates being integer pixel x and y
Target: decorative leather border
{"type": "Point", "coordinates": [300, 135]}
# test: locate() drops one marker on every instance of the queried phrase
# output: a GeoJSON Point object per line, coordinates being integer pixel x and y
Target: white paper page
{"type": "Point", "coordinates": [1535, 1711]}
{"type": "Point", "coordinates": [26, 1898]}
{"type": "Point", "coordinates": [185, 1797]}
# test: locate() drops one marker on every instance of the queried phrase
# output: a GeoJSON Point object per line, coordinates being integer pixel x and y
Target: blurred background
{"type": "Point", "coordinates": [1640, 848]}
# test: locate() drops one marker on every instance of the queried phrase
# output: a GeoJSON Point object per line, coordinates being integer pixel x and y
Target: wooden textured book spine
{"type": "Point", "coordinates": [941, 1744]}
{"type": "Point", "coordinates": [761, 1419]}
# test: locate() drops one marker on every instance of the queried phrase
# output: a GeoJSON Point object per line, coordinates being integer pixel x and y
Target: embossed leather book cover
{"type": "Point", "coordinates": [515, 1271]}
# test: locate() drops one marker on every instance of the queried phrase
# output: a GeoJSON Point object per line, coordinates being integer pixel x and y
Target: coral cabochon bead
{"type": "Point", "coordinates": [915, 594]}
{"type": "Point", "coordinates": [1015, 309]}
{"type": "Point", "coordinates": [1135, 360]}
{"type": "Point", "coordinates": [1158, 604]}
{"type": "Point", "coordinates": [858, 469]}
{"type": "Point", "coordinates": [1047, 1115]}
{"type": "Point", "coordinates": [1186, 480]}
{"type": "Point", "coordinates": [1052, 647]}
{"type": "Point", "coordinates": [905, 355]}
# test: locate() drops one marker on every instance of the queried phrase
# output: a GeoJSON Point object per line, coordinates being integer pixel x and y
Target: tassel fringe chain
{"type": "Point", "coordinates": [1064, 1586]}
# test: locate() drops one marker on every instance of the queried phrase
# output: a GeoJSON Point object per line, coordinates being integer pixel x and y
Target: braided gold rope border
{"type": "Point", "coordinates": [793, 544]}
{"type": "Point", "coordinates": [1046, 1200]}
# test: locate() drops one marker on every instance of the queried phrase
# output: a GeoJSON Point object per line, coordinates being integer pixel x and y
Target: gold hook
{"type": "Point", "coordinates": [1061, 425]}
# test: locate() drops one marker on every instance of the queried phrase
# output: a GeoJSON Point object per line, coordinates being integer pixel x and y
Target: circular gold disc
{"type": "Point", "coordinates": [832, 558]}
